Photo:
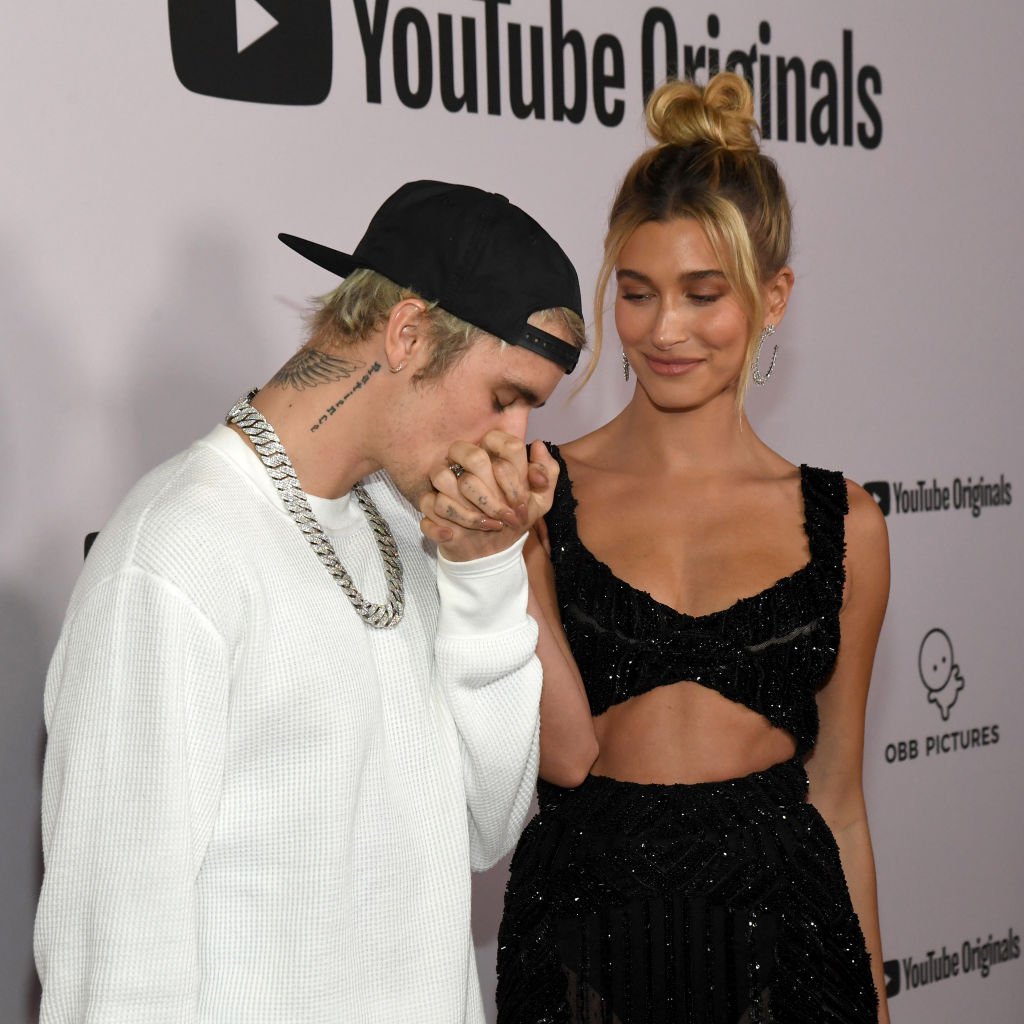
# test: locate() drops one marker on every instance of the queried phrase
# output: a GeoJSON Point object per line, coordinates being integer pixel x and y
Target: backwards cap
{"type": "Point", "coordinates": [473, 253]}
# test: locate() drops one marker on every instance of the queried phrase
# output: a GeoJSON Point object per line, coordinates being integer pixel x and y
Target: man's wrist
{"type": "Point", "coordinates": [471, 546]}
{"type": "Point", "coordinates": [484, 595]}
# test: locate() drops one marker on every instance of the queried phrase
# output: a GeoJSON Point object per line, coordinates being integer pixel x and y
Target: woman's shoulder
{"type": "Point", "coordinates": [844, 519]}
{"type": "Point", "coordinates": [858, 503]}
{"type": "Point", "coordinates": [587, 472]}
{"type": "Point", "coordinates": [865, 523]}
{"type": "Point", "coordinates": [866, 555]}
{"type": "Point", "coordinates": [860, 511]}
{"type": "Point", "coordinates": [595, 451]}
{"type": "Point", "coordinates": [581, 449]}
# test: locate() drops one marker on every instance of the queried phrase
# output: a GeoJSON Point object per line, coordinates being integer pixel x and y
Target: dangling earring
{"type": "Point", "coordinates": [760, 379]}
{"type": "Point", "coordinates": [625, 367]}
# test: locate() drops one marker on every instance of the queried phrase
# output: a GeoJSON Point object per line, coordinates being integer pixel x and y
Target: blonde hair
{"type": "Point", "coordinates": [706, 165]}
{"type": "Point", "coordinates": [362, 302]}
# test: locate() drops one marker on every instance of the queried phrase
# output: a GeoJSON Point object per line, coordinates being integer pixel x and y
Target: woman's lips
{"type": "Point", "coordinates": [672, 367]}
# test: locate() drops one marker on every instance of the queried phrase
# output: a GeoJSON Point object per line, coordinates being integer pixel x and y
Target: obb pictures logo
{"type": "Point", "coordinates": [258, 51]}
{"type": "Point", "coordinates": [939, 672]}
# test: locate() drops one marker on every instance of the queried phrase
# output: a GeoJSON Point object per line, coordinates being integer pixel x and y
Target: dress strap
{"type": "Point", "coordinates": [825, 507]}
{"type": "Point", "coordinates": [561, 520]}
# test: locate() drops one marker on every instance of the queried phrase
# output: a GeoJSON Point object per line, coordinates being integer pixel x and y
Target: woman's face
{"type": "Point", "coordinates": [681, 327]}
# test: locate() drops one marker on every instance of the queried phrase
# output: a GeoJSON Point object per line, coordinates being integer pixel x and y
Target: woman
{"type": "Point", "coordinates": [702, 850]}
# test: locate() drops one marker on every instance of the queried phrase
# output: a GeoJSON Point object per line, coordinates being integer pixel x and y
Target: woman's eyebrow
{"type": "Point", "coordinates": [689, 275]}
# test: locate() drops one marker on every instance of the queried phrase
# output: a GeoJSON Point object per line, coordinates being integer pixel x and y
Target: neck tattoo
{"type": "Point", "coordinates": [274, 457]}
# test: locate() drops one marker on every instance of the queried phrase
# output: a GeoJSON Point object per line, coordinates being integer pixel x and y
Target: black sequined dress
{"type": "Point", "coordinates": [713, 903]}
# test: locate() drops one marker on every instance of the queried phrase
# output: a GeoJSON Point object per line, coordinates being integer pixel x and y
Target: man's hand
{"type": "Point", "coordinates": [501, 491]}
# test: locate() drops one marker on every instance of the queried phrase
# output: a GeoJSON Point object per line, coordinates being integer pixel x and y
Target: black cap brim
{"type": "Point", "coordinates": [340, 263]}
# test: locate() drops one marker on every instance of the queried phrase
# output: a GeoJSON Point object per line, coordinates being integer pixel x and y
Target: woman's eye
{"type": "Point", "coordinates": [500, 406]}
{"type": "Point", "coordinates": [704, 300]}
{"type": "Point", "coordinates": [635, 296]}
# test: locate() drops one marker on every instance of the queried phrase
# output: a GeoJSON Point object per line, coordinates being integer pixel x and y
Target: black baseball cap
{"type": "Point", "coordinates": [473, 253]}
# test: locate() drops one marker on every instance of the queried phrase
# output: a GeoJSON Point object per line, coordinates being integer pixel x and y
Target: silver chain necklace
{"type": "Point", "coordinates": [274, 457]}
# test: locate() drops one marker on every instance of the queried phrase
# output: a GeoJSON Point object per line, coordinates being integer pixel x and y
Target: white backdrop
{"type": "Point", "coordinates": [142, 288]}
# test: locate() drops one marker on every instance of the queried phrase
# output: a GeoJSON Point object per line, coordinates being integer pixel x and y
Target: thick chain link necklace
{"type": "Point", "coordinates": [274, 457]}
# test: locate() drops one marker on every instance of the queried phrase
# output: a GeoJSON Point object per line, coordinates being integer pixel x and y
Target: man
{"type": "Point", "coordinates": [281, 728]}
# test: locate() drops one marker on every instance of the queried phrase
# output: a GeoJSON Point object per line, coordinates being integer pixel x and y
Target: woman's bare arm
{"type": "Point", "coordinates": [835, 767]}
{"type": "Point", "coordinates": [568, 745]}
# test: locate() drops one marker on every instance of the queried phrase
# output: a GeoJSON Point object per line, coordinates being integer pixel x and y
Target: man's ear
{"type": "Point", "coordinates": [405, 334]}
{"type": "Point", "coordinates": [776, 299]}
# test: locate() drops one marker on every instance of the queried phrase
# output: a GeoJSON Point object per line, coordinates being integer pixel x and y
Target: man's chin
{"type": "Point", "coordinates": [413, 490]}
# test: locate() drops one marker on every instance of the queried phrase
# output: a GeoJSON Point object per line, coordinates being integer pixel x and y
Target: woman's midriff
{"type": "Point", "coordinates": [686, 733]}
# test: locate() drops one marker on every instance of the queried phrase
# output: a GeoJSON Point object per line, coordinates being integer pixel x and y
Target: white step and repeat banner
{"type": "Point", "coordinates": [152, 151]}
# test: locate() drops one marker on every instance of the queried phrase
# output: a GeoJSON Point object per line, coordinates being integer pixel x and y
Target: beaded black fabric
{"type": "Point", "coordinates": [771, 652]}
{"type": "Point", "coordinates": [714, 903]}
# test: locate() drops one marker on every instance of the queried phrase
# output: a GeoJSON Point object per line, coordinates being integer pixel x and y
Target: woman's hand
{"type": "Point", "coordinates": [488, 495]}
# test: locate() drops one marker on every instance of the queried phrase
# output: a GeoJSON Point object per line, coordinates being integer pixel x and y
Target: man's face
{"type": "Point", "coordinates": [492, 387]}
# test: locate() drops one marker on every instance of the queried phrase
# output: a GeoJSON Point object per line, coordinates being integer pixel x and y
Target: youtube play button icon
{"type": "Point", "coordinates": [257, 51]}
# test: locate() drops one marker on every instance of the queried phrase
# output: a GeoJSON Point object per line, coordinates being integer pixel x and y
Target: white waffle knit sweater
{"type": "Point", "coordinates": [255, 807]}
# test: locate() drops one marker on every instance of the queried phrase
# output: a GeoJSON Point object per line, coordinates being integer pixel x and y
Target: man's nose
{"type": "Point", "coordinates": [516, 418]}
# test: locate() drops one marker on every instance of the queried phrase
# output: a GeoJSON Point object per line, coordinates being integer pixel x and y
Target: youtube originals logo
{"type": "Point", "coordinates": [967, 493]}
{"type": "Point", "coordinates": [258, 51]}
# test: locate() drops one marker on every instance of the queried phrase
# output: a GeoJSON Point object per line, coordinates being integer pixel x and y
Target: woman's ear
{"type": "Point", "coordinates": [776, 299]}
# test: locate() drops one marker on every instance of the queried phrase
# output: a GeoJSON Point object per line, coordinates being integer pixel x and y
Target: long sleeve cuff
{"type": "Point", "coordinates": [485, 596]}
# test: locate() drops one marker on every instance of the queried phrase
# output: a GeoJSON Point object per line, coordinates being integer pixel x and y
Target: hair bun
{"type": "Point", "coordinates": [720, 113]}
